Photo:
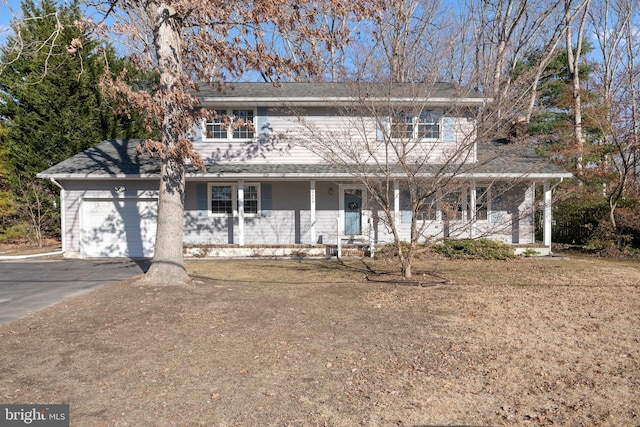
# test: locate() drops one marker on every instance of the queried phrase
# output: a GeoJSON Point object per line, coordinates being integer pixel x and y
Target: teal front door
{"type": "Point", "coordinates": [352, 212]}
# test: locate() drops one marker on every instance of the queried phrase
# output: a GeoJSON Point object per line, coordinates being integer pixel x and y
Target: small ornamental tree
{"type": "Point", "coordinates": [412, 179]}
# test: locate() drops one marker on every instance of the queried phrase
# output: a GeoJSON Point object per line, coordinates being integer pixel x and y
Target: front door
{"type": "Point", "coordinates": [352, 212]}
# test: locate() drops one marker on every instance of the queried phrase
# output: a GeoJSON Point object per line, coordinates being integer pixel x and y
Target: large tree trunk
{"type": "Point", "coordinates": [167, 266]}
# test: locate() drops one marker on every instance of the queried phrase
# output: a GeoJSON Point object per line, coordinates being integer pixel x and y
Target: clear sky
{"type": "Point", "coordinates": [8, 8]}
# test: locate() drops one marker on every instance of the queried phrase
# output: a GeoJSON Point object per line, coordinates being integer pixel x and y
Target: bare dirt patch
{"type": "Point", "coordinates": [289, 343]}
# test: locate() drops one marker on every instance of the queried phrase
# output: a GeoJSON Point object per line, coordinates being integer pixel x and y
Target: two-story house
{"type": "Point", "coordinates": [289, 170]}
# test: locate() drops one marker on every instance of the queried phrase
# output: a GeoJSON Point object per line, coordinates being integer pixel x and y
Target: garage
{"type": "Point", "coordinates": [118, 228]}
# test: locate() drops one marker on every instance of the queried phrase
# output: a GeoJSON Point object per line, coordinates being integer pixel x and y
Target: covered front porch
{"type": "Point", "coordinates": [285, 217]}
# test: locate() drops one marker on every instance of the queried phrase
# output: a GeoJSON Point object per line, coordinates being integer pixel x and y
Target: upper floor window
{"type": "Point", "coordinates": [242, 124]}
{"type": "Point", "coordinates": [401, 126]}
{"type": "Point", "coordinates": [429, 125]}
{"type": "Point", "coordinates": [216, 129]}
{"type": "Point", "coordinates": [231, 124]}
{"type": "Point", "coordinates": [404, 125]}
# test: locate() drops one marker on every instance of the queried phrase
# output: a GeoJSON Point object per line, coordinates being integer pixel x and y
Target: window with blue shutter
{"type": "Point", "coordinates": [265, 199]}
{"type": "Point", "coordinates": [405, 207]}
{"type": "Point", "coordinates": [448, 129]}
{"type": "Point", "coordinates": [263, 127]}
{"type": "Point", "coordinates": [203, 199]}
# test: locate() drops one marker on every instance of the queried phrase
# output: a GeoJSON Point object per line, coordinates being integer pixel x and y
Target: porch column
{"type": "Point", "coordinates": [396, 202]}
{"type": "Point", "coordinates": [472, 210]}
{"type": "Point", "coordinates": [547, 214]}
{"type": "Point", "coordinates": [241, 213]}
{"type": "Point", "coordinates": [312, 202]}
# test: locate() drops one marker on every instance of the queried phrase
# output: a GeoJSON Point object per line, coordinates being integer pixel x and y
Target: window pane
{"type": "Point", "coordinates": [245, 129]}
{"type": "Point", "coordinates": [221, 199]}
{"type": "Point", "coordinates": [429, 124]}
{"type": "Point", "coordinates": [481, 203]}
{"type": "Point", "coordinates": [401, 126]}
{"type": "Point", "coordinates": [251, 199]}
{"type": "Point", "coordinates": [452, 206]}
{"type": "Point", "coordinates": [217, 129]}
{"type": "Point", "coordinates": [427, 210]}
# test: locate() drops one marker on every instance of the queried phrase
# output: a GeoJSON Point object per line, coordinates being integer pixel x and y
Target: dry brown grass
{"type": "Point", "coordinates": [306, 343]}
{"type": "Point", "coordinates": [26, 247]}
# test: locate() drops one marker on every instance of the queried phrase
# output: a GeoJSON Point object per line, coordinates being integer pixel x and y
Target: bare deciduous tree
{"type": "Point", "coordinates": [616, 117]}
{"type": "Point", "coordinates": [21, 47]}
{"type": "Point", "coordinates": [574, 56]}
{"type": "Point", "coordinates": [393, 141]}
{"type": "Point", "coordinates": [194, 42]}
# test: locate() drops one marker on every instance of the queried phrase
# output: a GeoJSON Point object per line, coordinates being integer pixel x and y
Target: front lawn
{"type": "Point", "coordinates": [313, 343]}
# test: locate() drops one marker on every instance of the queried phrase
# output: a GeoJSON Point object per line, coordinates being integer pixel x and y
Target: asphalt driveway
{"type": "Point", "coordinates": [27, 286]}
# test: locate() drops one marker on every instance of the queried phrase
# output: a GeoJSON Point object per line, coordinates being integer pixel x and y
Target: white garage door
{"type": "Point", "coordinates": [118, 227]}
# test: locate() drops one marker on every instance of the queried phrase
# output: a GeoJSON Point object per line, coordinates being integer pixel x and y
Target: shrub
{"type": "Point", "coordinates": [628, 221]}
{"type": "Point", "coordinates": [475, 249]}
{"type": "Point", "coordinates": [16, 232]}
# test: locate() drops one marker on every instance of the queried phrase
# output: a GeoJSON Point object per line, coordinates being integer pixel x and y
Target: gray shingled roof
{"type": "Point", "coordinates": [109, 158]}
{"type": "Point", "coordinates": [120, 159]}
{"type": "Point", "coordinates": [329, 91]}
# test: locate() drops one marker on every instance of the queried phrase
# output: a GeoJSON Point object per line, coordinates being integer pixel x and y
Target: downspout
{"type": "Point", "coordinates": [63, 214]}
{"type": "Point", "coordinates": [556, 185]}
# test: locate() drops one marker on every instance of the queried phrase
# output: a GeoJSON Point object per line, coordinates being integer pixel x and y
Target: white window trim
{"type": "Point", "coordinates": [488, 196]}
{"type": "Point", "coordinates": [234, 199]}
{"type": "Point", "coordinates": [415, 124]}
{"type": "Point", "coordinates": [229, 112]}
{"type": "Point", "coordinates": [466, 213]}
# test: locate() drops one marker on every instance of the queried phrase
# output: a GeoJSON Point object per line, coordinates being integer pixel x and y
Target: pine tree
{"type": "Point", "coordinates": [8, 206]}
{"type": "Point", "coordinates": [50, 98]}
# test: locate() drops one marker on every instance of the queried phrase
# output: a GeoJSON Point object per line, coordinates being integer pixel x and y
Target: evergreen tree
{"type": "Point", "coordinates": [8, 206]}
{"type": "Point", "coordinates": [553, 120]}
{"type": "Point", "coordinates": [50, 98]}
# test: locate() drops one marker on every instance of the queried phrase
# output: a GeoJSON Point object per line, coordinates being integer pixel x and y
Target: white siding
{"type": "Point", "coordinates": [295, 140]}
{"type": "Point", "coordinates": [118, 227]}
{"type": "Point", "coordinates": [79, 190]}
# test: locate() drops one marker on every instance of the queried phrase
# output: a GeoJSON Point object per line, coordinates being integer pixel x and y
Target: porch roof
{"type": "Point", "coordinates": [119, 159]}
